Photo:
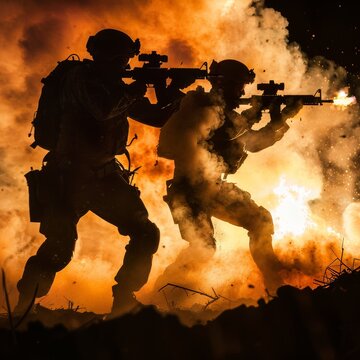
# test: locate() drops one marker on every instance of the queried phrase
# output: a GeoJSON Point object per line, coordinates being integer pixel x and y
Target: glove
{"type": "Point", "coordinates": [136, 89]}
{"type": "Point", "coordinates": [253, 115]}
{"type": "Point", "coordinates": [293, 106]}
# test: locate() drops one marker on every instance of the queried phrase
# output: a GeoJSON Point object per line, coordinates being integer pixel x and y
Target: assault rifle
{"type": "Point", "coordinates": [152, 73]}
{"type": "Point", "coordinates": [270, 100]}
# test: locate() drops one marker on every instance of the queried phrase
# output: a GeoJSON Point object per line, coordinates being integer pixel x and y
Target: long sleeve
{"type": "Point", "coordinates": [257, 140]}
{"type": "Point", "coordinates": [101, 100]}
{"type": "Point", "coordinates": [152, 114]}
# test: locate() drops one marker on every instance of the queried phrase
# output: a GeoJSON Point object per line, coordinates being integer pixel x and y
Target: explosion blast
{"type": "Point", "coordinates": [306, 180]}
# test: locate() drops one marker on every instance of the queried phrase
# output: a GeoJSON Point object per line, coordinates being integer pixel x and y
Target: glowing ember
{"type": "Point", "coordinates": [292, 216]}
{"type": "Point", "coordinates": [342, 99]}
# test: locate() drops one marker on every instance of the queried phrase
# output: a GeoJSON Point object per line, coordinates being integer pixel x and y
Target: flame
{"type": "Point", "coordinates": [342, 99]}
{"type": "Point", "coordinates": [227, 7]}
{"type": "Point", "coordinates": [292, 216]}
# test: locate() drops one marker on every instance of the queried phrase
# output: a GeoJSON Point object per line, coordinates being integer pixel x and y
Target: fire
{"type": "Point", "coordinates": [292, 216]}
{"type": "Point", "coordinates": [342, 99]}
{"type": "Point", "coordinates": [227, 7]}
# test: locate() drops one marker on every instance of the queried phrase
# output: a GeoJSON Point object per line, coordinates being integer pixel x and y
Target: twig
{"type": "Point", "coordinates": [210, 302]}
{"type": "Point", "coordinates": [8, 307]}
{"type": "Point", "coordinates": [167, 301]}
{"type": "Point", "coordinates": [31, 304]}
{"type": "Point", "coordinates": [353, 265]}
{"type": "Point", "coordinates": [342, 254]}
{"type": "Point", "coordinates": [319, 282]}
{"type": "Point", "coordinates": [187, 289]}
{"type": "Point", "coordinates": [331, 274]}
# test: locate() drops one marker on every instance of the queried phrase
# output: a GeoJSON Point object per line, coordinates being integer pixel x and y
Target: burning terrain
{"type": "Point", "coordinates": [309, 182]}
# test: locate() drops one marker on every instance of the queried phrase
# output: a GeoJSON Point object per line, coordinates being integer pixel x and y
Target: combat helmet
{"type": "Point", "coordinates": [230, 69]}
{"type": "Point", "coordinates": [109, 43]}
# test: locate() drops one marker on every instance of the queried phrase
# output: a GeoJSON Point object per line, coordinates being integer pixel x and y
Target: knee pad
{"type": "Point", "coordinates": [145, 238]}
{"type": "Point", "coordinates": [59, 261]}
{"type": "Point", "coordinates": [55, 253]}
{"type": "Point", "coordinates": [152, 235]}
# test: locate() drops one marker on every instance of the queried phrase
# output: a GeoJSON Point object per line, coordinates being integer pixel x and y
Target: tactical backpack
{"type": "Point", "coordinates": [46, 122]}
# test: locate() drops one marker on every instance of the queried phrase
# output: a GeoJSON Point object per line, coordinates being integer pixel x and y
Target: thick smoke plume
{"type": "Point", "coordinates": [311, 170]}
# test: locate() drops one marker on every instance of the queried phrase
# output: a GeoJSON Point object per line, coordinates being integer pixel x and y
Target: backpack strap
{"type": "Point", "coordinates": [130, 173]}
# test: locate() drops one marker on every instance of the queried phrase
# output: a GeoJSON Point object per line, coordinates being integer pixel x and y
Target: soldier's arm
{"type": "Point", "coordinates": [257, 140]}
{"type": "Point", "coordinates": [88, 92]}
{"type": "Point", "coordinates": [168, 101]}
{"type": "Point", "coordinates": [152, 114]}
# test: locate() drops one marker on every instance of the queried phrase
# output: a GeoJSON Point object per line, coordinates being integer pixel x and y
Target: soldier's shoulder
{"type": "Point", "coordinates": [81, 72]}
{"type": "Point", "coordinates": [200, 97]}
{"type": "Point", "coordinates": [83, 67]}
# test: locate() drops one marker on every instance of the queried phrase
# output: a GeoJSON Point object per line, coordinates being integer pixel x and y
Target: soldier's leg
{"type": "Point", "coordinates": [119, 203]}
{"type": "Point", "coordinates": [196, 228]}
{"type": "Point", "coordinates": [59, 227]}
{"type": "Point", "coordinates": [236, 207]}
{"type": "Point", "coordinates": [191, 216]}
{"type": "Point", "coordinates": [136, 267]}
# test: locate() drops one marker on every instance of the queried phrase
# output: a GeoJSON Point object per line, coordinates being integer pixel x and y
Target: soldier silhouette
{"type": "Point", "coordinates": [81, 174]}
{"type": "Point", "coordinates": [208, 139]}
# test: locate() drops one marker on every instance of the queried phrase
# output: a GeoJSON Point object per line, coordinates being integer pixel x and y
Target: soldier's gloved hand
{"type": "Point", "coordinates": [182, 82]}
{"type": "Point", "coordinates": [253, 114]}
{"type": "Point", "coordinates": [293, 106]}
{"type": "Point", "coordinates": [136, 89]}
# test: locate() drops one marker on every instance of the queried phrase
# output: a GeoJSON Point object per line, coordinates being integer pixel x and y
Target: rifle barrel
{"type": "Point", "coordinates": [284, 99]}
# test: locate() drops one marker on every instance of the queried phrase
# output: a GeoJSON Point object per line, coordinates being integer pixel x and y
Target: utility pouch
{"type": "Point", "coordinates": [33, 179]}
{"type": "Point", "coordinates": [178, 200]}
{"type": "Point", "coordinates": [169, 199]}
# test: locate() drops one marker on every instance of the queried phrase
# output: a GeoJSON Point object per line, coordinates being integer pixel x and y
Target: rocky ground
{"type": "Point", "coordinates": [296, 324]}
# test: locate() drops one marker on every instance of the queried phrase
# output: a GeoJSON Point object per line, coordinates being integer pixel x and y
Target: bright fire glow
{"type": "Point", "coordinates": [292, 216]}
{"type": "Point", "coordinates": [342, 99]}
{"type": "Point", "coordinates": [227, 6]}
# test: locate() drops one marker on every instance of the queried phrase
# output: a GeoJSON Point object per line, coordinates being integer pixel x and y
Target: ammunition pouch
{"type": "Point", "coordinates": [168, 198]}
{"type": "Point", "coordinates": [182, 200]}
{"type": "Point", "coordinates": [35, 205]}
{"type": "Point", "coordinates": [171, 199]}
{"type": "Point", "coordinates": [46, 186]}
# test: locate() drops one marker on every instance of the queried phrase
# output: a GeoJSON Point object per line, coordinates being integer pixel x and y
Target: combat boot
{"type": "Point", "coordinates": [24, 305]}
{"type": "Point", "coordinates": [123, 302]}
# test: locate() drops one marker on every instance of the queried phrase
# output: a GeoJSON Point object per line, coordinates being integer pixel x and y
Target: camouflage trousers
{"type": "Point", "coordinates": [193, 207]}
{"type": "Point", "coordinates": [113, 199]}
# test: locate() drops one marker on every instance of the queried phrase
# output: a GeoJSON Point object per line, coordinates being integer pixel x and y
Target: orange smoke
{"type": "Point", "coordinates": [35, 37]}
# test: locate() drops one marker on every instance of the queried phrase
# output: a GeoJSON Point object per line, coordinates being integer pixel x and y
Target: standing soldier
{"type": "Point", "coordinates": [206, 139]}
{"type": "Point", "coordinates": [80, 171]}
